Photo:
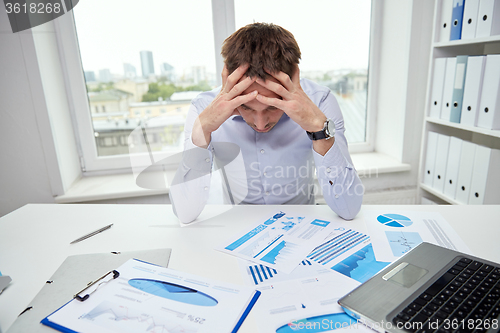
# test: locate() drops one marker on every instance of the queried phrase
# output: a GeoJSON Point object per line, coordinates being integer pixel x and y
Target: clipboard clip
{"type": "Point", "coordinates": [94, 285]}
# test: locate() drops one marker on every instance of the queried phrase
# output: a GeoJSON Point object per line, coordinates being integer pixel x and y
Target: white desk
{"type": "Point", "coordinates": [34, 240]}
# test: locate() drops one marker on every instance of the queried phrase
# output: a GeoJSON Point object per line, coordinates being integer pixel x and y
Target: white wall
{"type": "Point", "coordinates": [23, 171]}
{"type": "Point", "coordinates": [402, 64]}
{"type": "Point", "coordinates": [30, 170]}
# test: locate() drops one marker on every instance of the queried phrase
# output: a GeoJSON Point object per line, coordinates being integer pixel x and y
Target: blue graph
{"type": "Point", "coordinates": [394, 220]}
{"type": "Point", "coordinates": [271, 256]}
{"type": "Point", "coordinates": [173, 291]}
{"type": "Point", "coordinates": [361, 265]}
{"type": "Point", "coordinates": [402, 242]}
{"type": "Point", "coordinates": [336, 246]}
{"type": "Point", "coordinates": [319, 324]}
{"type": "Point", "coordinates": [261, 273]}
{"type": "Point", "coordinates": [280, 253]}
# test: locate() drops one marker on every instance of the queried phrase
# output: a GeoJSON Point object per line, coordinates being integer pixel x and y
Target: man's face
{"type": "Point", "coordinates": [261, 117]}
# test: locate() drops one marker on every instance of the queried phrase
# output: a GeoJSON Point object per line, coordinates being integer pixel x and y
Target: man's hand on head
{"type": "Point", "coordinates": [296, 104]}
{"type": "Point", "coordinates": [224, 105]}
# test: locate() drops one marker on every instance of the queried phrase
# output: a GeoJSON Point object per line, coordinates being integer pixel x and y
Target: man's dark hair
{"type": "Point", "coordinates": [261, 45]}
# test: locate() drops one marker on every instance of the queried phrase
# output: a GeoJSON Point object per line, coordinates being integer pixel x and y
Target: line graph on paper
{"type": "Point", "coordinates": [121, 318]}
{"type": "Point", "coordinates": [402, 242]}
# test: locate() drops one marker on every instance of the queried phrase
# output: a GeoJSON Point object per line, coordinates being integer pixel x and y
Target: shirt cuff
{"type": "Point", "coordinates": [197, 158]}
{"type": "Point", "coordinates": [332, 164]}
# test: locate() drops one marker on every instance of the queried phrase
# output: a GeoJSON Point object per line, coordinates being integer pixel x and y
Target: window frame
{"type": "Point", "coordinates": [223, 20]}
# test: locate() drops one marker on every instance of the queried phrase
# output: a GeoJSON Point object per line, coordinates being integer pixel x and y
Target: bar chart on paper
{"type": "Point", "coordinates": [280, 253]}
{"type": "Point", "coordinates": [259, 274]}
{"type": "Point", "coordinates": [332, 250]}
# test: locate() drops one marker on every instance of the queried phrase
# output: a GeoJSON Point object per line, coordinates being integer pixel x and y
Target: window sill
{"type": "Point", "coordinates": [120, 186]}
{"type": "Point", "coordinates": [370, 163]}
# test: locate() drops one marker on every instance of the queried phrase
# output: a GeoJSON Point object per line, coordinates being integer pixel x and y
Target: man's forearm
{"type": "Point", "coordinates": [341, 187]}
{"type": "Point", "coordinates": [200, 137]}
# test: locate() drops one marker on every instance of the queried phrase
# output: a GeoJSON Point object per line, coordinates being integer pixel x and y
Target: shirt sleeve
{"type": "Point", "coordinates": [341, 186]}
{"type": "Point", "coordinates": [191, 185]}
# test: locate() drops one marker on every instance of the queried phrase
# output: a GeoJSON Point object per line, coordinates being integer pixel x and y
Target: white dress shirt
{"type": "Point", "coordinates": [276, 167]}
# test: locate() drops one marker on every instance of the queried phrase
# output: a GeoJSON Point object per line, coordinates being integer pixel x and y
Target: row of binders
{"type": "Point", "coordinates": [461, 170]}
{"type": "Point", "coordinates": [466, 90]}
{"type": "Point", "coordinates": [468, 19]}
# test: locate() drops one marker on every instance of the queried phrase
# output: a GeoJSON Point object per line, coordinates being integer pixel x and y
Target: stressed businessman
{"type": "Point", "coordinates": [267, 131]}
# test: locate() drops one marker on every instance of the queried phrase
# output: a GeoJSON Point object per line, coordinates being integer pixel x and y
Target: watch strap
{"type": "Point", "coordinates": [320, 135]}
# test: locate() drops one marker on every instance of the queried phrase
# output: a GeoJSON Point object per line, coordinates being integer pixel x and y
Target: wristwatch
{"type": "Point", "coordinates": [327, 132]}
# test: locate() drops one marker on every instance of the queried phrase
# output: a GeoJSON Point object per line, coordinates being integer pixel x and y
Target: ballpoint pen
{"type": "Point", "coordinates": [91, 234]}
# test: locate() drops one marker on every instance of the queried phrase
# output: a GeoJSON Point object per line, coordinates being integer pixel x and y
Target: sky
{"type": "Point", "coordinates": [332, 34]}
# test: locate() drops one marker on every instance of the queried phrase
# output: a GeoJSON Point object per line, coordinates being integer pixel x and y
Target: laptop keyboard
{"type": "Point", "coordinates": [464, 299]}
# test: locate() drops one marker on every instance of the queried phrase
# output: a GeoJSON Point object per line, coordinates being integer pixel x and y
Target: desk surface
{"type": "Point", "coordinates": [34, 240]}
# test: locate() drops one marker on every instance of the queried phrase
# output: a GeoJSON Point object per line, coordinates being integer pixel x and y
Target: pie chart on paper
{"type": "Point", "coordinates": [394, 220]}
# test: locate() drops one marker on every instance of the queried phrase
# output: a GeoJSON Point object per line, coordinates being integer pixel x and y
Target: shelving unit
{"type": "Point", "coordinates": [481, 136]}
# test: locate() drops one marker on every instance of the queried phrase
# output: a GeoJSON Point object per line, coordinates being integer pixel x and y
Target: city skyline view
{"type": "Point", "coordinates": [135, 61]}
{"type": "Point", "coordinates": [184, 41]}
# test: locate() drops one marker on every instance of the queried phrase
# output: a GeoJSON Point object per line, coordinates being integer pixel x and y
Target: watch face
{"type": "Point", "coordinates": [330, 128]}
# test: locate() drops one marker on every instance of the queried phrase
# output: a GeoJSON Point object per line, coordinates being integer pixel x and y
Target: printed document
{"type": "Point", "coordinates": [281, 241]}
{"type": "Point", "coordinates": [393, 233]}
{"type": "Point", "coordinates": [308, 304]}
{"type": "Point", "coordinates": [150, 298]}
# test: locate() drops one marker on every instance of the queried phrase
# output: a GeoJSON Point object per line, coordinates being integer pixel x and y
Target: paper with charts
{"type": "Point", "coordinates": [348, 252]}
{"type": "Point", "coordinates": [260, 275]}
{"type": "Point", "coordinates": [308, 304]}
{"type": "Point", "coordinates": [393, 233]}
{"type": "Point", "coordinates": [281, 241]}
{"type": "Point", "coordinates": [150, 298]}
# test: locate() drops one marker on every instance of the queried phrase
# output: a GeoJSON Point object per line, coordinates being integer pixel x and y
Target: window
{"type": "Point", "coordinates": [145, 74]}
{"type": "Point", "coordinates": [334, 38]}
{"type": "Point", "coordinates": [132, 69]}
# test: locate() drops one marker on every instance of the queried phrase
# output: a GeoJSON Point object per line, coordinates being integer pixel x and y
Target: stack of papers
{"type": "Point", "coordinates": [303, 265]}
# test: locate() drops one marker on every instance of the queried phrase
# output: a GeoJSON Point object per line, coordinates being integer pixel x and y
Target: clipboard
{"type": "Point", "coordinates": [76, 271]}
{"type": "Point", "coordinates": [139, 296]}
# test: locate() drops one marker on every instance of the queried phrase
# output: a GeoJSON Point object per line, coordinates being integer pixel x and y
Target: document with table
{"type": "Point", "coordinates": [147, 298]}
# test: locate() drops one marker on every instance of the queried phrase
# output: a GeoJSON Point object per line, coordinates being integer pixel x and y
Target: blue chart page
{"type": "Point", "coordinates": [394, 233]}
{"type": "Point", "coordinates": [281, 241]}
{"type": "Point", "coordinates": [153, 299]}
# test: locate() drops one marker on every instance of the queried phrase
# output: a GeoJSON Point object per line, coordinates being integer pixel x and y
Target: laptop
{"type": "Point", "coordinates": [430, 289]}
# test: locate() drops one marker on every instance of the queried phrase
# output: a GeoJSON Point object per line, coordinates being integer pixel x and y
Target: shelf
{"type": "Point", "coordinates": [464, 42]}
{"type": "Point", "coordinates": [439, 194]}
{"type": "Point", "coordinates": [483, 131]}
{"type": "Point", "coordinates": [481, 46]}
